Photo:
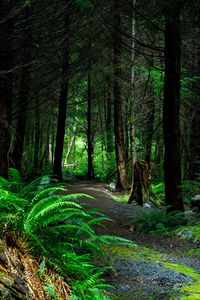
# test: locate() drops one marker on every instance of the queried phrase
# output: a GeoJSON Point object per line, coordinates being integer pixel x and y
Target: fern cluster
{"type": "Point", "coordinates": [157, 220]}
{"type": "Point", "coordinates": [58, 227]}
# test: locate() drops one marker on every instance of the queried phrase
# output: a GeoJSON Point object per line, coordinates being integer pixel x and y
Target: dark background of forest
{"type": "Point", "coordinates": [94, 88]}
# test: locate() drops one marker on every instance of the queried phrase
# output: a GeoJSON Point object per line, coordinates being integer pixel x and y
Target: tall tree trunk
{"type": "Point", "coordinates": [133, 153]}
{"type": "Point", "coordinates": [89, 125]}
{"type": "Point", "coordinates": [118, 126]}
{"type": "Point", "coordinates": [194, 145]}
{"type": "Point", "coordinates": [149, 128]}
{"type": "Point", "coordinates": [36, 139]}
{"type": "Point", "coordinates": [57, 168]}
{"type": "Point", "coordinates": [24, 93]}
{"type": "Point", "coordinates": [171, 108]}
{"type": "Point", "coordinates": [6, 65]}
{"type": "Point", "coordinates": [126, 130]}
{"type": "Point", "coordinates": [109, 124]}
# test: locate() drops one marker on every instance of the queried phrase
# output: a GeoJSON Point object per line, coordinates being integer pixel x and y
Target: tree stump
{"type": "Point", "coordinates": [140, 182]}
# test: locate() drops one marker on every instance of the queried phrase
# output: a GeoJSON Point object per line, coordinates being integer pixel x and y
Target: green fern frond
{"type": "Point", "coordinates": [53, 218]}
{"type": "Point", "coordinates": [98, 221]}
{"type": "Point", "coordinates": [41, 219]}
{"type": "Point", "coordinates": [50, 290]}
{"type": "Point", "coordinates": [14, 176]}
{"type": "Point", "coordinates": [46, 192]}
{"type": "Point", "coordinates": [108, 239]}
{"type": "Point", "coordinates": [55, 199]}
{"type": "Point", "coordinates": [35, 186]}
{"type": "Point", "coordinates": [51, 202]}
{"type": "Point", "coordinates": [71, 227]}
{"type": "Point", "coordinates": [4, 183]}
{"type": "Point", "coordinates": [8, 198]}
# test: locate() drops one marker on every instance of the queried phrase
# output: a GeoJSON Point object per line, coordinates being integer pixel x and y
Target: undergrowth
{"type": "Point", "coordinates": [58, 229]}
{"type": "Point", "coordinates": [157, 220]}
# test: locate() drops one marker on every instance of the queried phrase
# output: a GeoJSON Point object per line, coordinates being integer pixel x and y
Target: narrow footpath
{"type": "Point", "coordinates": [158, 268]}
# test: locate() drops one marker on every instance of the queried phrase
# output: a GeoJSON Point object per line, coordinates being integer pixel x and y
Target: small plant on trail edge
{"type": "Point", "coordinates": [158, 192]}
{"type": "Point", "coordinates": [157, 220]}
{"type": "Point", "coordinates": [59, 229]}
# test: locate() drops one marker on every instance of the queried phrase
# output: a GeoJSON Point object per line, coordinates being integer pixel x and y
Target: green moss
{"type": "Point", "coordinates": [191, 297]}
{"type": "Point", "coordinates": [191, 291]}
{"type": "Point", "coordinates": [182, 269]}
{"type": "Point", "coordinates": [189, 232]}
{"type": "Point", "coordinates": [195, 252]}
{"type": "Point", "coordinates": [5, 279]}
{"type": "Point", "coordinates": [136, 253]}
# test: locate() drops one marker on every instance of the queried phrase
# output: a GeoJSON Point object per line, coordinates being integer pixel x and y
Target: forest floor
{"type": "Point", "coordinates": [159, 267]}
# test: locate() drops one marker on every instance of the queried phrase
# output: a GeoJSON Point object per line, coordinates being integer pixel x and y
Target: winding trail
{"type": "Point", "coordinates": [159, 270]}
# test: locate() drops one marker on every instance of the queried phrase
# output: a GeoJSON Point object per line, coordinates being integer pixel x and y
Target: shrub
{"type": "Point", "coordinates": [190, 189]}
{"type": "Point", "coordinates": [157, 220]}
{"type": "Point", "coordinates": [159, 190]}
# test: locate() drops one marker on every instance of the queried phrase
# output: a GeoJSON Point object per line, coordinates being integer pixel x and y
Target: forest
{"type": "Point", "coordinates": [99, 149]}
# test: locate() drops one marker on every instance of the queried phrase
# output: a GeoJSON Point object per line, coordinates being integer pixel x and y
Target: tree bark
{"type": "Point", "coordinates": [36, 139]}
{"type": "Point", "coordinates": [109, 120]}
{"type": "Point", "coordinates": [24, 92]}
{"type": "Point", "coordinates": [171, 108]}
{"type": "Point", "coordinates": [89, 124]}
{"type": "Point", "coordinates": [194, 145]}
{"type": "Point", "coordinates": [6, 65]}
{"type": "Point", "coordinates": [57, 168]}
{"type": "Point", "coordinates": [118, 126]}
{"type": "Point", "coordinates": [141, 183]}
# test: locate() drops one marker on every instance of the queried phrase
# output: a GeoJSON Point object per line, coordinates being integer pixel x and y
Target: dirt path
{"type": "Point", "coordinates": [141, 276]}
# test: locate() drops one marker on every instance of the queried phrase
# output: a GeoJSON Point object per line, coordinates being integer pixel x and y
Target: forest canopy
{"type": "Point", "coordinates": [97, 88]}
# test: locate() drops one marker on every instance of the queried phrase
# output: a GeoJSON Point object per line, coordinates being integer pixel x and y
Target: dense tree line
{"type": "Point", "coordinates": [100, 86]}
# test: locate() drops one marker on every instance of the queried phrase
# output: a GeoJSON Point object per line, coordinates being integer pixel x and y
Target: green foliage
{"type": "Point", "coordinates": [186, 91]}
{"type": "Point", "coordinates": [158, 190]}
{"type": "Point", "coordinates": [14, 182]}
{"type": "Point", "coordinates": [157, 220]}
{"type": "Point", "coordinates": [190, 232]}
{"type": "Point", "coordinates": [101, 163]}
{"type": "Point", "coordinates": [91, 288]}
{"type": "Point", "coordinates": [190, 189]}
{"type": "Point", "coordinates": [84, 3]}
{"type": "Point", "coordinates": [61, 231]}
{"type": "Point", "coordinates": [49, 288]}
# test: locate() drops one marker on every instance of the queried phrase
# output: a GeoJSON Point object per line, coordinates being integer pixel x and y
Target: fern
{"type": "Point", "coordinates": [157, 220]}
{"type": "Point", "coordinates": [59, 229]}
{"type": "Point", "coordinates": [49, 288]}
{"type": "Point", "coordinates": [39, 184]}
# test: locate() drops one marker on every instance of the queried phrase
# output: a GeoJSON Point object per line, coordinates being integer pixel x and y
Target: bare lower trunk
{"type": "Point", "coordinates": [141, 183]}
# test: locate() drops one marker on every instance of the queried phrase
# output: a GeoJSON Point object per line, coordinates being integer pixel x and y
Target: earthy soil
{"type": "Point", "coordinates": [138, 279]}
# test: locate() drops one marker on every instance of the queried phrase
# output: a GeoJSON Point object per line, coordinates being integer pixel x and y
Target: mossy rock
{"type": "Point", "coordinates": [189, 232]}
